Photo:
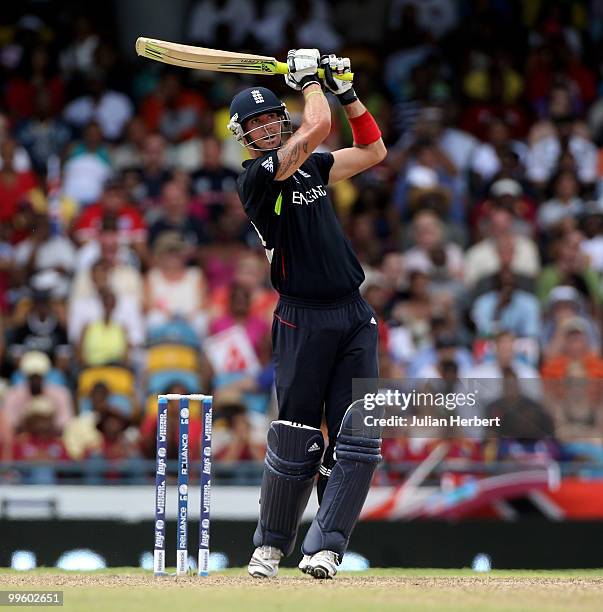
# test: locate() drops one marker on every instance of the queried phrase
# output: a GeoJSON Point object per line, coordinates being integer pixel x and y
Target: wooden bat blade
{"type": "Point", "coordinates": [200, 58]}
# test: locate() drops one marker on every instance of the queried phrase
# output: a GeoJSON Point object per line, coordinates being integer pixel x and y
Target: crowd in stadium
{"type": "Point", "coordinates": [128, 267]}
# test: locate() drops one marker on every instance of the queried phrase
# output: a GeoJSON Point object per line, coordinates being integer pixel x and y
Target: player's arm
{"type": "Point", "coordinates": [368, 149]}
{"type": "Point", "coordinates": [316, 122]}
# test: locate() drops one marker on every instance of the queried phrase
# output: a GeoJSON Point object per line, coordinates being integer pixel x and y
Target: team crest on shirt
{"type": "Point", "coordinates": [268, 164]}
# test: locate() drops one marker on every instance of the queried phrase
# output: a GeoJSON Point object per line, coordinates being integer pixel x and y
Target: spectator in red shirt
{"type": "Point", "coordinates": [39, 439]}
{"type": "Point", "coordinates": [131, 226]}
{"type": "Point", "coordinates": [14, 186]}
{"type": "Point", "coordinates": [173, 110]}
{"type": "Point", "coordinates": [36, 75]}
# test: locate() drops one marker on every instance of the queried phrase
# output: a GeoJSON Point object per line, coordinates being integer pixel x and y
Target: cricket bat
{"type": "Point", "coordinates": [200, 58]}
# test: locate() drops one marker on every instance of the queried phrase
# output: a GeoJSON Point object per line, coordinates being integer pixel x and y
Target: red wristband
{"type": "Point", "coordinates": [364, 129]}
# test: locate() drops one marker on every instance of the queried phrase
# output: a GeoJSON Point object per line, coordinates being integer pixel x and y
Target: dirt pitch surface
{"type": "Point", "coordinates": [383, 590]}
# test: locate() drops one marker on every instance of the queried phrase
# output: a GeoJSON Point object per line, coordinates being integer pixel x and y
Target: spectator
{"type": "Point", "coordinates": [501, 244]}
{"type": "Point", "coordinates": [499, 89]}
{"type": "Point", "coordinates": [417, 310]}
{"type": "Point", "coordinates": [549, 144]}
{"type": "Point", "coordinates": [35, 366]}
{"type": "Point", "coordinates": [239, 313]}
{"type": "Point", "coordinates": [213, 183]}
{"type": "Point", "coordinates": [570, 266]}
{"type": "Point", "coordinates": [14, 185]}
{"type": "Point", "coordinates": [444, 349]}
{"type": "Point", "coordinates": [576, 357]}
{"type": "Point", "coordinates": [117, 443]}
{"type": "Point", "coordinates": [104, 341]}
{"type": "Point", "coordinates": [43, 134]}
{"type": "Point", "coordinates": [251, 273]}
{"type": "Point", "coordinates": [507, 307]}
{"type": "Point", "coordinates": [154, 172]}
{"type": "Point", "coordinates": [508, 194]}
{"type": "Point", "coordinates": [428, 172]}
{"type": "Point", "coordinates": [36, 78]}
{"type": "Point", "coordinates": [78, 56]}
{"type": "Point", "coordinates": [237, 443]}
{"type": "Point", "coordinates": [110, 109]}
{"type": "Point", "coordinates": [86, 309]}
{"type": "Point", "coordinates": [441, 259]}
{"type": "Point", "coordinates": [565, 303]}
{"type": "Point", "coordinates": [130, 153]}
{"type": "Point", "coordinates": [87, 167]}
{"type": "Point", "coordinates": [505, 358]}
{"type": "Point", "coordinates": [40, 329]}
{"type": "Point", "coordinates": [523, 422]}
{"type": "Point", "coordinates": [175, 217]}
{"type": "Point", "coordinates": [559, 214]}
{"type": "Point", "coordinates": [171, 288]}
{"type": "Point", "coordinates": [130, 223]}
{"type": "Point", "coordinates": [102, 431]}
{"type": "Point", "coordinates": [124, 278]}
{"type": "Point", "coordinates": [488, 157]}
{"type": "Point", "coordinates": [39, 439]}
{"type": "Point", "coordinates": [172, 110]}
{"type": "Point", "coordinates": [44, 251]}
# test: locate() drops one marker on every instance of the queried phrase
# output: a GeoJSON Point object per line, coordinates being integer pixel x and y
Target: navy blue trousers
{"type": "Point", "coordinates": [318, 349]}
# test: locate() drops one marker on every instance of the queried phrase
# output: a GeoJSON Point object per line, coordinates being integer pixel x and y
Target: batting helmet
{"type": "Point", "coordinates": [255, 101]}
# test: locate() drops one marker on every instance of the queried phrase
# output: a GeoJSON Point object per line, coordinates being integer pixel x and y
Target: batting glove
{"type": "Point", "coordinates": [332, 65]}
{"type": "Point", "coordinates": [303, 65]}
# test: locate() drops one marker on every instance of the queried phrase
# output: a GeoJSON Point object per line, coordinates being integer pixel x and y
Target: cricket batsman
{"type": "Point", "coordinates": [324, 333]}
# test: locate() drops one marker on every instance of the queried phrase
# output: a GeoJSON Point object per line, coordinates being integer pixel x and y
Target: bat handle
{"type": "Point", "coordinates": [282, 68]}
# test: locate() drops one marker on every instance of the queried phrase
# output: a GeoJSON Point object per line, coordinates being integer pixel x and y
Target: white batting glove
{"type": "Point", "coordinates": [303, 66]}
{"type": "Point", "coordinates": [333, 65]}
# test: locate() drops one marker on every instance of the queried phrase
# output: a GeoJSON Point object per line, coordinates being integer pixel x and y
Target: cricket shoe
{"type": "Point", "coordinates": [264, 562]}
{"type": "Point", "coordinates": [304, 564]}
{"type": "Point", "coordinates": [322, 565]}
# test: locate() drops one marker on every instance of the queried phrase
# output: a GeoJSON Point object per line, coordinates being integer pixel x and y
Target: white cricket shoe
{"type": "Point", "coordinates": [264, 562]}
{"type": "Point", "coordinates": [322, 565]}
{"type": "Point", "coordinates": [304, 564]}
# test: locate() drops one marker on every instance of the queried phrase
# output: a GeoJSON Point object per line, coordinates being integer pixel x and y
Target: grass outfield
{"type": "Point", "coordinates": [134, 590]}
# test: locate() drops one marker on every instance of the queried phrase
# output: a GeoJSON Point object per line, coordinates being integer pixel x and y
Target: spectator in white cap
{"type": "Point", "coordinates": [508, 193]}
{"type": "Point", "coordinates": [565, 303]}
{"type": "Point", "coordinates": [35, 365]}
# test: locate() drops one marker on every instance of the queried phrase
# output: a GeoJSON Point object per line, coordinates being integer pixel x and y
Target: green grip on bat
{"type": "Point", "coordinates": [282, 68]}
